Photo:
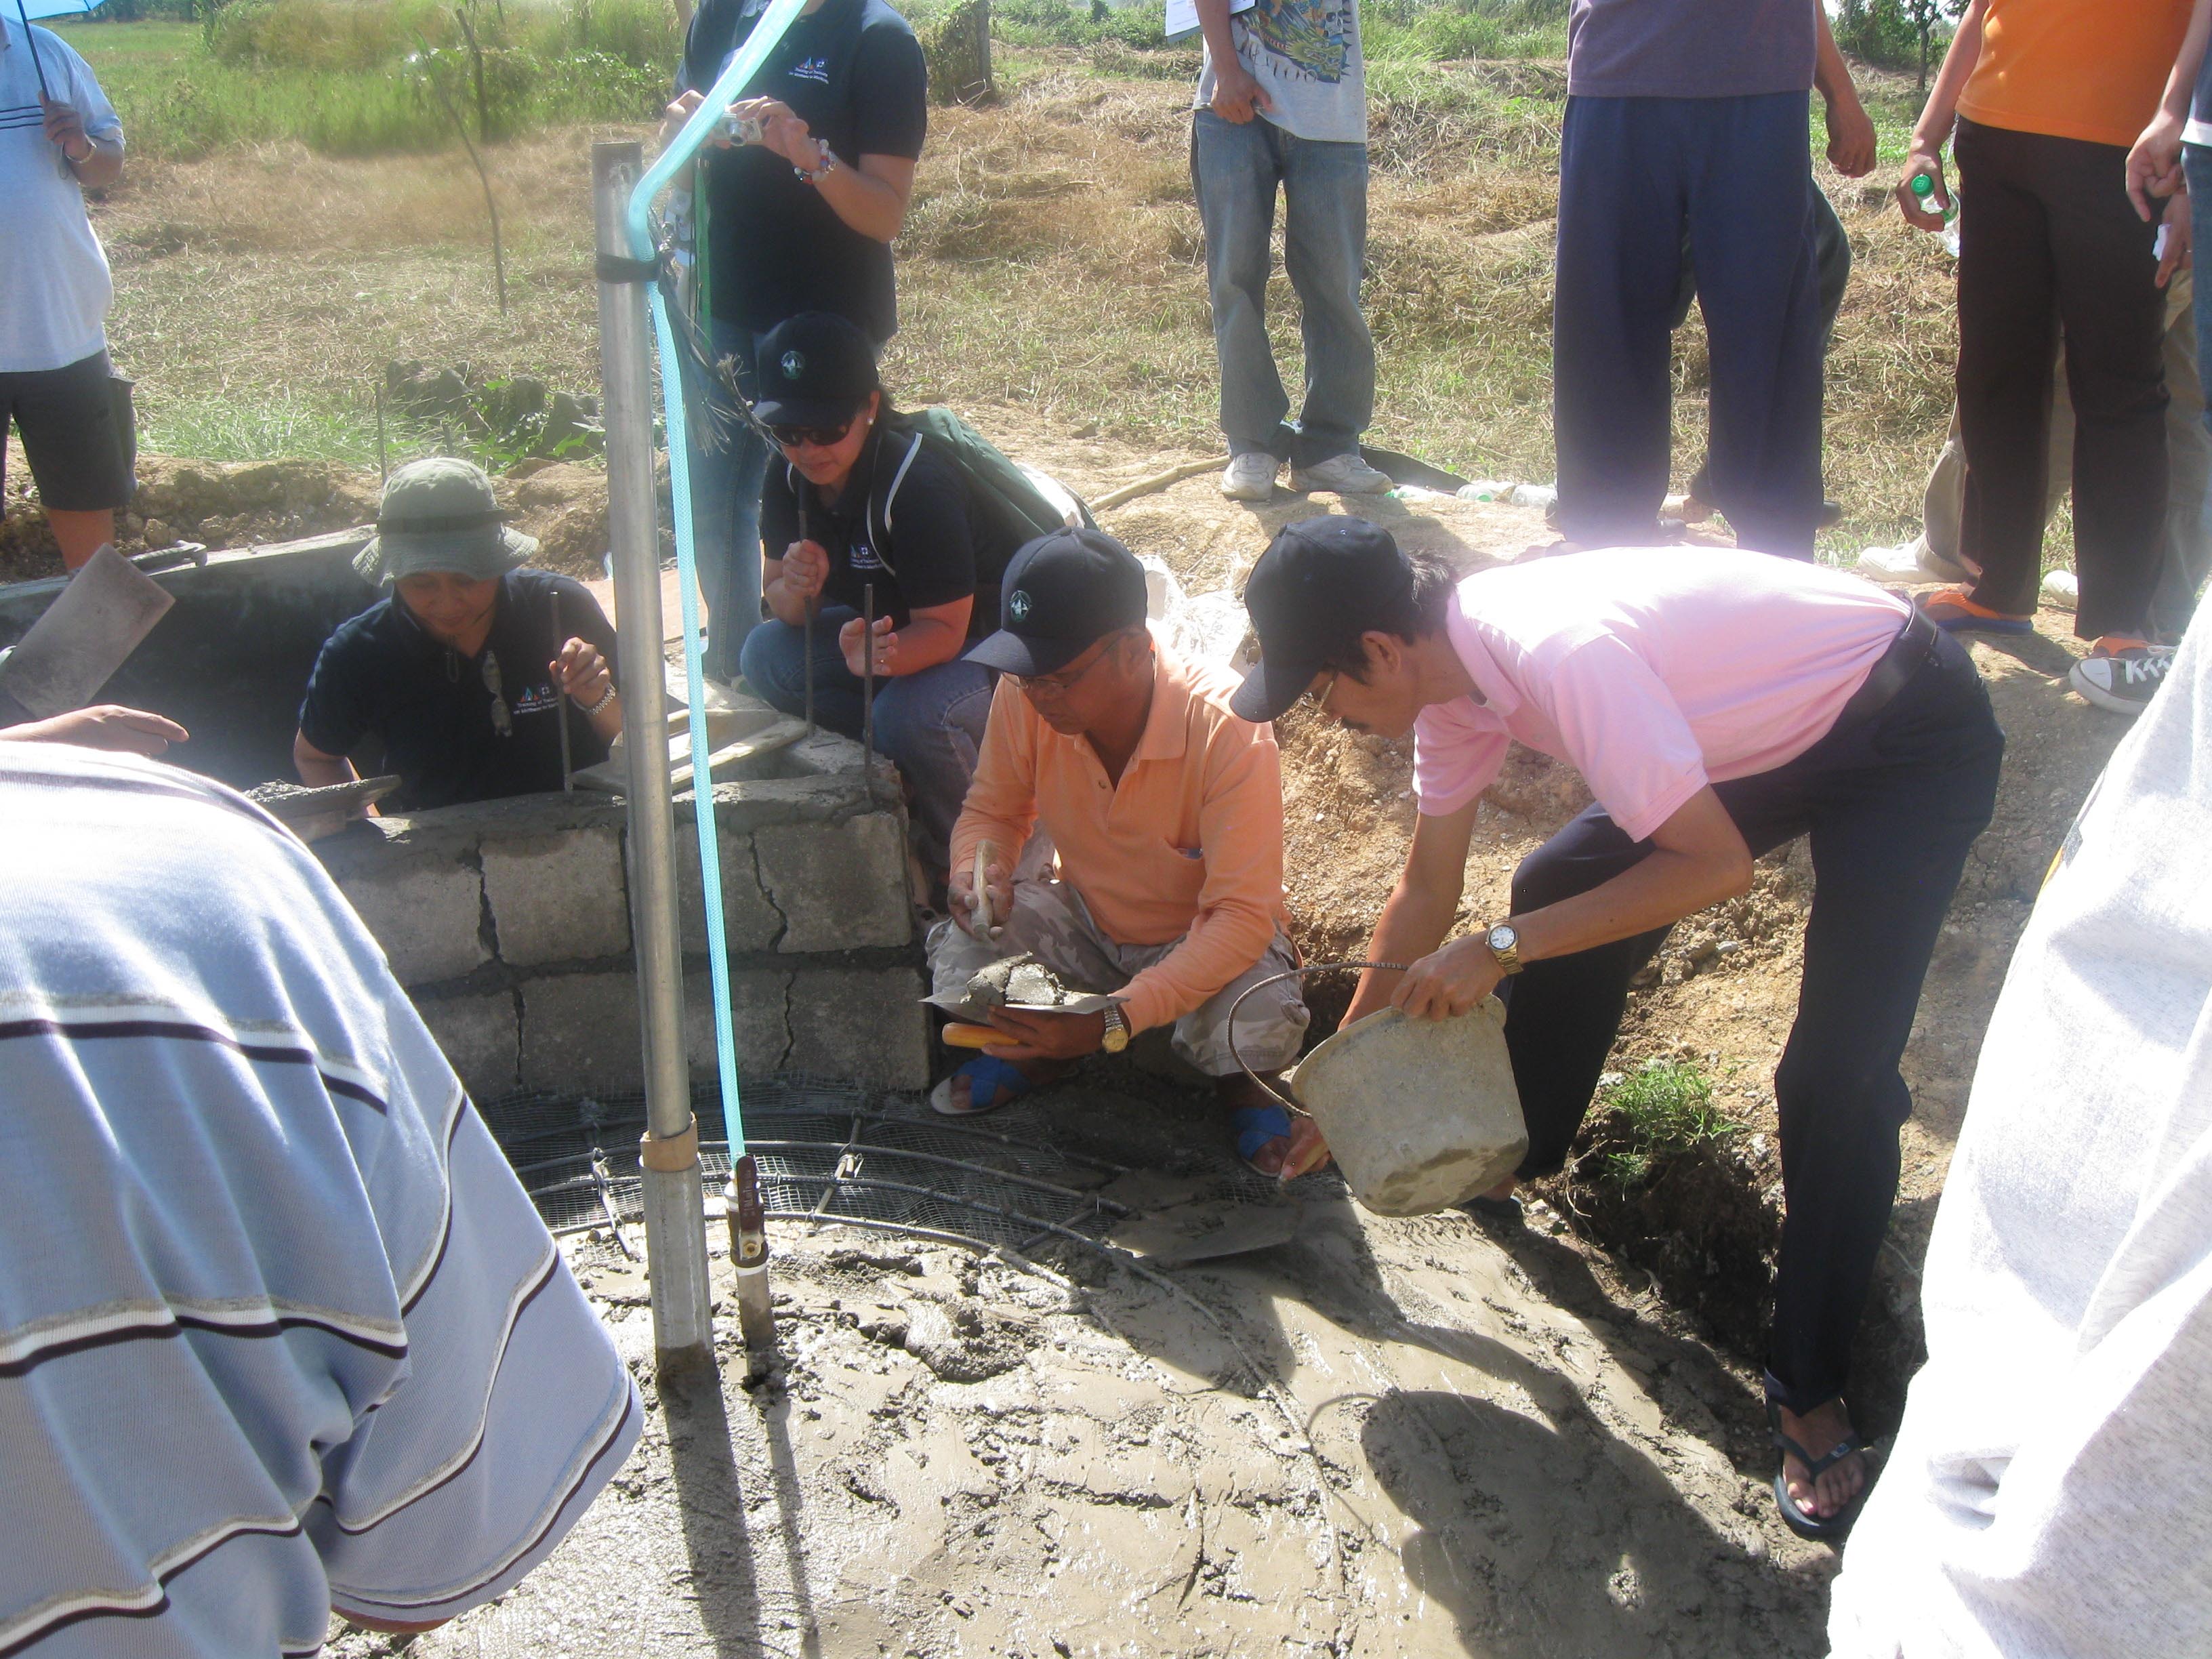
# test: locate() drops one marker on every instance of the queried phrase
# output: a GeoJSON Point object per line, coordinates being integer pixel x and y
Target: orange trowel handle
{"type": "Point", "coordinates": [958, 1035]}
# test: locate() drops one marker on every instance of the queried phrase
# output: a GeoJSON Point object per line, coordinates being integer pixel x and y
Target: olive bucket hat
{"type": "Point", "coordinates": [441, 515]}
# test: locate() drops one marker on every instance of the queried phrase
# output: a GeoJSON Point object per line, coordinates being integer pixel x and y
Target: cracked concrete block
{"type": "Point", "coordinates": [557, 898]}
{"type": "Point", "coordinates": [760, 997]}
{"type": "Point", "coordinates": [866, 1024]}
{"type": "Point", "coordinates": [579, 1031]}
{"type": "Point", "coordinates": [479, 1037]}
{"type": "Point", "coordinates": [839, 886]}
{"type": "Point", "coordinates": [426, 913]}
{"type": "Point", "coordinates": [751, 921]}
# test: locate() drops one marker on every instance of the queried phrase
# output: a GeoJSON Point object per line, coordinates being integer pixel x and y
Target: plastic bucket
{"type": "Point", "coordinates": [1421, 1113]}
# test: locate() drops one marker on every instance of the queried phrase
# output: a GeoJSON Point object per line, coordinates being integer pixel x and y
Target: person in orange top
{"type": "Point", "coordinates": [2047, 96]}
{"type": "Point", "coordinates": [1165, 811]}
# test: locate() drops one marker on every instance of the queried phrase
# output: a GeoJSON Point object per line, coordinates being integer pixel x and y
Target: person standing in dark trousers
{"type": "Point", "coordinates": [1688, 117]}
{"type": "Point", "coordinates": [2047, 96]}
{"type": "Point", "coordinates": [1851, 151]}
{"type": "Point", "coordinates": [1719, 703]}
{"type": "Point", "coordinates": [1282, 103]}
{"type": "Point", "coordinates": [800, 218]}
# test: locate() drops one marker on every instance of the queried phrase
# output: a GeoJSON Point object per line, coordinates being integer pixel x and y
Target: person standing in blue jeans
{"type": "Point", "coordinates": [1282, 101]}
{"type": "Point", "coordinates": [799, 216]}
{"type": "Point", "coordinates": [1688, 118]}
{"type": "Point", "coordinates": [858, 505]}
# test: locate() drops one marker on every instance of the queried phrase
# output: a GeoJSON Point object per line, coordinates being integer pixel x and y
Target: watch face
{"type": "Point", "coordinates": [1504, 937]}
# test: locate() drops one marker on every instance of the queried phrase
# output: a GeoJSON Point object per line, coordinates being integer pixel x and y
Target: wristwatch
{"type": "Point", "coordinates": [1505, 942]}
{"type": "Point", "coordinates": [1115, 1037]}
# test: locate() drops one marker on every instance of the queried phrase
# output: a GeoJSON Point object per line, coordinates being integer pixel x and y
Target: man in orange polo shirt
{"type": "Point", "coordinates": [1165, 811]}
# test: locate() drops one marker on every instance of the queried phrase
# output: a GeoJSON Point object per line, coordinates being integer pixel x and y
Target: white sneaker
{"type": "Point", "coordinates": [2123, 682]}
{"type": "Point", "coordinates": [1249, 476]}
{"type": "Point", "coordinates": [1914, 562]}
{"type": "Point", "coordinates": [1347, 475]}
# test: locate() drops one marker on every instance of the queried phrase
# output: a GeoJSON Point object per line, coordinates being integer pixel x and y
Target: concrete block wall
{"type": "Point", "coordinates": [508, 922]}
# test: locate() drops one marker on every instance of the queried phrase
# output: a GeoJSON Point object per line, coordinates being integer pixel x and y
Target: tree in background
{"type": "Point", "coordinates": [1893, 33]}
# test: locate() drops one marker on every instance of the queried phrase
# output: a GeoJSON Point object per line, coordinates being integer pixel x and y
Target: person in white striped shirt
{"type": "Point", "coordinates": [279, 1332]}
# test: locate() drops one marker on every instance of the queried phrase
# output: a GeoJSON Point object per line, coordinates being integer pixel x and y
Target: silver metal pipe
{"type": "Point", "coordinates": [675, 1211]}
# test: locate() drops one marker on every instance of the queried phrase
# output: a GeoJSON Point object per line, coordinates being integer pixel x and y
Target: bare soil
{"type": "Point", "coordinates": [223, 504]}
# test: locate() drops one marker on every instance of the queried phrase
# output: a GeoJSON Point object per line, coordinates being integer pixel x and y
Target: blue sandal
{"type": "Point", "coordinates": [1255, 1126]}
{"type": "Point", "coordinates": [992, 1083]}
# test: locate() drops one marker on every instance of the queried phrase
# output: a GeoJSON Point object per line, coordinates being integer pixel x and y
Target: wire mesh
{"type": "Point", "coordinates": [826, 1150]}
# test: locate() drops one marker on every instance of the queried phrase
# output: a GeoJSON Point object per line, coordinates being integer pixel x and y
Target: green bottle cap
{"type": "Point", "coordinates": [1924, 184]}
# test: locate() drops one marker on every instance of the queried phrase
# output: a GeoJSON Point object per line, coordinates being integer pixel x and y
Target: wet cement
{"type": "Point", "coordinates": [1379, 1436]}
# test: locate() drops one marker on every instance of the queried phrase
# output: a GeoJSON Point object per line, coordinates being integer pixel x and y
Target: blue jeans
{"type": "Point", "coordinates": [929, 725]}
{"type": "Point", "coordinates": [1636, 174]}
{"type": "Point", "coordinates": [1235, 171]}
{"type": "Point", "coordinates": [729, 461]}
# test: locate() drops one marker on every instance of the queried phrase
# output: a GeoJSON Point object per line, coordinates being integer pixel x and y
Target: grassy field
{"type": "Point", "coordinates": [1051, 266]}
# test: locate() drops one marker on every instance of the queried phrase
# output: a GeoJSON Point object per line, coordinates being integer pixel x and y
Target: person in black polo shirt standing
{"type": "Point", "coordinates": [800, 218]}
{"type": "Point", "coordinates": [459, 673]}
{"type": "Point", "coordinates": [855, 506]}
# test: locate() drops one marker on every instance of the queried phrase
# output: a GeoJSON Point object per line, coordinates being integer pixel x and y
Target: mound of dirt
{"type": "Point", "coordinates": [242, 504]}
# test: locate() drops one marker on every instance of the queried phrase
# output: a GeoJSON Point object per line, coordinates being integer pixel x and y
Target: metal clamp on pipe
{"type": "Point", "coordinates": [670, 1154]}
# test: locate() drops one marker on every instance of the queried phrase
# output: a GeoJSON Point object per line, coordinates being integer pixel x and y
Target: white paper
{"type": "Point", "coordinates": [1182, 15]}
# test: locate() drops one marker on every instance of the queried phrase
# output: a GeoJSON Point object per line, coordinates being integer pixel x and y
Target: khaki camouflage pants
{"type": "Point", "coordinates": [1052, 923]}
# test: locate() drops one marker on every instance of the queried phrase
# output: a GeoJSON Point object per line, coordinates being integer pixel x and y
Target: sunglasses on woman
{"type": "Point", "coordinates": [819, 437]}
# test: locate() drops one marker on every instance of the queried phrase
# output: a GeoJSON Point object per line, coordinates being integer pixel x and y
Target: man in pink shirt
{"type": "Point", "coordinates": [1719, 703]}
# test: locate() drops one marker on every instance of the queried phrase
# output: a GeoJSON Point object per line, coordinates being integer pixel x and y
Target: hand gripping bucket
{"type": "Point", "coordinates": [1421, 1113]}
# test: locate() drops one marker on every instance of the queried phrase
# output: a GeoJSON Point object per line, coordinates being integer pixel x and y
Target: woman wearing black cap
{"type": "Point", "coordinates": [855, 508]}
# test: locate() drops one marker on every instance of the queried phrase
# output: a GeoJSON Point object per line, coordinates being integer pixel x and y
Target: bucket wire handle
{"type": "Point", "coordinates": [1229, 1026]}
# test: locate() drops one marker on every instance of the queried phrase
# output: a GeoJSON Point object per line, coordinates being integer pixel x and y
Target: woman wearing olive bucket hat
{"type": "Point", "coordinates": [457, 672]}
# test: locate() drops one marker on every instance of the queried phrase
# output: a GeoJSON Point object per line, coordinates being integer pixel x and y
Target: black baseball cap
{"type": "Point", "coordinates": [814, 369]}
{"type": "Point", "coordinates": [1317, 582]}
{"type": "Point", "coordinates": [1061, 594]}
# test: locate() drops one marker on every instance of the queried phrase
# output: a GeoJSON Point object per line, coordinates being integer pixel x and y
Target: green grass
{"type": "Point", "coordinates": [289, 425]}
{"type": "Point", "coordinates": [1662, 1109]}
{"type": "Point", "coordinates": [359, 78]}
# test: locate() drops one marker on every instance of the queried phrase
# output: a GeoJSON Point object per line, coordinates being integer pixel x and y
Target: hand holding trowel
{"type": "Point", "coordinates": [88, 632]}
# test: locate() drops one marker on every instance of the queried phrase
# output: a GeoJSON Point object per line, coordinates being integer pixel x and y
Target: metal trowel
{"type": "Point", "coordinates": [97, 620]}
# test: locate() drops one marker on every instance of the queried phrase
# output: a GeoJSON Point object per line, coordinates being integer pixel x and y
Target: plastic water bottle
{"type": "Point", "coordinates": [1923, 189]}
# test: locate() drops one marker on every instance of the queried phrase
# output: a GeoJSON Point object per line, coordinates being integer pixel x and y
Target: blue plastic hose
{"type": "Point", "coordinates": [689, 143]}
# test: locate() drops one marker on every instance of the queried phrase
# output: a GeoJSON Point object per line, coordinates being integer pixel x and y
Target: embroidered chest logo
{"type": "Point", "coordinates": [537, 700]}
{"type": "Point", "coordinates": [815, 70]}
{"type": "Point", "coordinates": [863, 557]}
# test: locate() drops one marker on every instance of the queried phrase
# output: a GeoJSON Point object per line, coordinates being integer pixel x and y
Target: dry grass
{"type": "Point", "coordinates": [1052, 265]}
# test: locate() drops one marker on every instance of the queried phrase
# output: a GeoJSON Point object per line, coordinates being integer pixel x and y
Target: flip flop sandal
{"type": "Point", "coordinates": [1831, 1528]}
{"type": "Point", "coordinates": [992, 1083]}
{"type": "Point", "coordinates": [1255, 1126]}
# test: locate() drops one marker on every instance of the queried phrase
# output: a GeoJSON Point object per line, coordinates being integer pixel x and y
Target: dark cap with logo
{"type": "Point", "coordinates": [1061, 594]}
{"type": "Point", "coordinates": [815, 370]}
{"type": "Point", "coordinates": [1316, 584]}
